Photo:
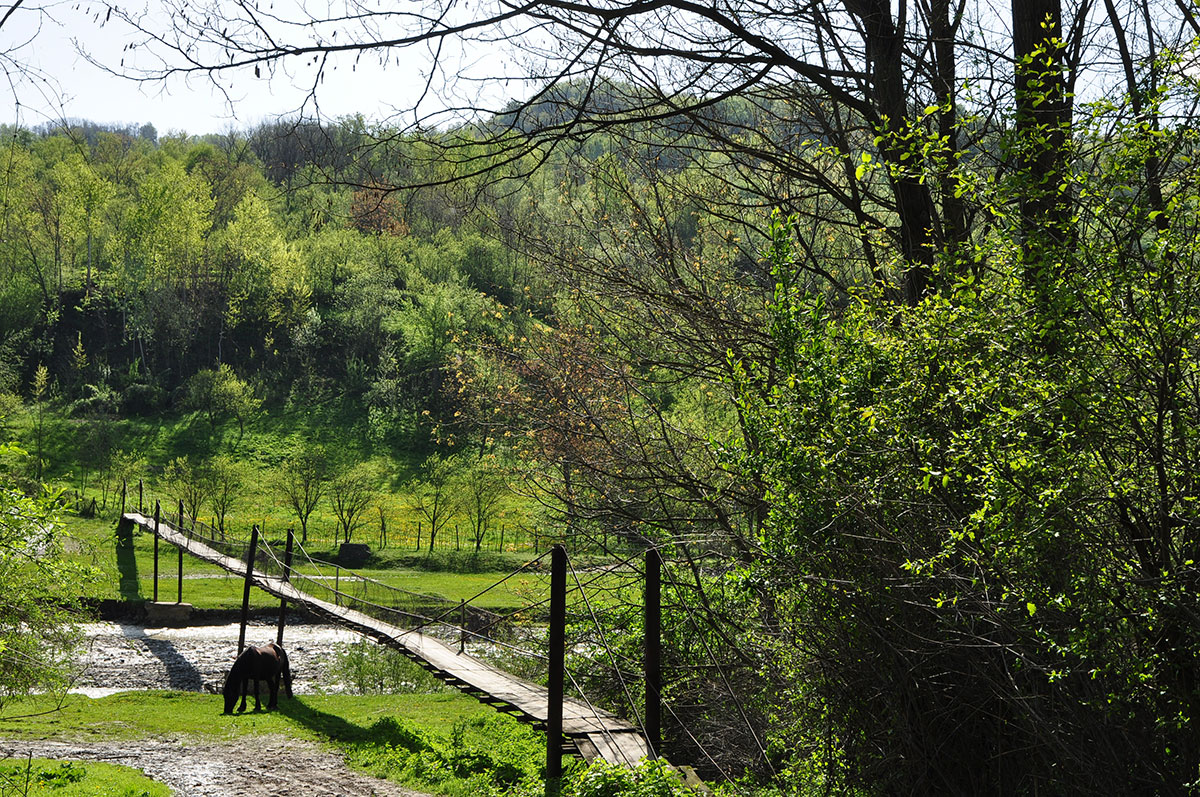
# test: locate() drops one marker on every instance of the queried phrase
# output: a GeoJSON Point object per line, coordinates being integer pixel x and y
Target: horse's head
{"type": "Point", "coordinates": [233, 683]}
{"type": "Point", "coordinates": [231, 694]}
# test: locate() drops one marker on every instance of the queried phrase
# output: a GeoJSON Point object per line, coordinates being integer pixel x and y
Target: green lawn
{"type": "Point", "coordinates": [443, 743]}
{"type": "Point", "coordinates": [41, 777]}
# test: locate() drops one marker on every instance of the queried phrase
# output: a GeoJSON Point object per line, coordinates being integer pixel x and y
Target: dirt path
{"type": "Point", "coordinates": [275, 765]}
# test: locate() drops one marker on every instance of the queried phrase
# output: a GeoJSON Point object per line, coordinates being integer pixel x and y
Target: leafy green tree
{"type": "Point", "coordinates": [260, 273]}
{"type": "Point", "coordinates": [485, 486]}
{"type": "Point", "coordinates": [158, 259]}
{"type": "Point", "coordinates": [125, 468]}
{"type": "Point", "coordinates": [228, 485]}
{"type": "Point", "coordinates": [40, 605]}
{"type": "Point", "coordinates": [220, 393]}
{"type": "Point", "coordinates": [85, 197]}
{"type": "Point", "coordinates": [302, 480]}
{"type": "Point", "coordinates": [433, 495]}
{"type": "Point", "coordinates": [190, 482]}
{"type": "Point", "coordinates": [978, 542]}
{"type": "Point", "coordinates": [351, 493]}
{"type": "Point", "coordinates": [40, 393]}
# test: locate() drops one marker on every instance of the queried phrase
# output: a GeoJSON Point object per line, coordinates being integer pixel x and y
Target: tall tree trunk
{"type": "Point", "coordinates": [1043, 116]}
{"type": "Point", "coordinates": [944, 23]}
{"type": "Point", "coordinates": [914, 202]}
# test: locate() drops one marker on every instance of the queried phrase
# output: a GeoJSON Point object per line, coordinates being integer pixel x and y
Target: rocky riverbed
{"type": "Point", "coordinates": [119, 656]}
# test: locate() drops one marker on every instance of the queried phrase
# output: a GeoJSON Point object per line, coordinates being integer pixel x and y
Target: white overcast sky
{"type": "Point", "coordinates": [43, 42]}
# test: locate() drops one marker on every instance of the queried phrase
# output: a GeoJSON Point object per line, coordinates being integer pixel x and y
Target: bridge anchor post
{"type": "Point", "coordinates": [157, 512]}
{"type": "Point", "coordinates": [287, 577]}
{"type": "Point", "coordinates": [652, 722]}
{"type": "Point", "coordinates": [246, 589]}
{"type": "Point", "coordinates": [558, 655]}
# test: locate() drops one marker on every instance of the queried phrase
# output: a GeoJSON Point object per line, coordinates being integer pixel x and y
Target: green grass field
{"type": "Point", "coordinates": [443, 743]}
{"type": "Point", "coordinates": [40, 777]}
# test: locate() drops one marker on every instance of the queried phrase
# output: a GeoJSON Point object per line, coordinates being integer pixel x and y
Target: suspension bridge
{"type": "Point", "coordinates": [380, 611]}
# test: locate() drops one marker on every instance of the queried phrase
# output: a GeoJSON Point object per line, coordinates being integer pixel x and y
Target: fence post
{"type": "Point", "coordinates": [124, 484]}
{"type": "Point", "coordinates": [557, 664]}
{"type": "Point", "coordinates": [418, 536]}
{"type": "Point", "coordinates": [139, 496]}
{"type": "Point", "coordinates": [179, 590]}
{"type": "Point", "coordinates": [653, 653]}
{"type": "Point", "coordinates": [246, 588]}
{"type": "Point", "coordinates": [156, 518]}
{"type": "Point", "coordinates": [287, 577]}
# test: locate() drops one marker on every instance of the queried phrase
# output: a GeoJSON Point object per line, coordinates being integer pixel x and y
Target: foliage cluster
{"type": "Point", "coordinates": [981, 545]}
{"type": "Point", "coordinates": [367, 668]}
{"type": "Point", "coordinates": [146, 275]}
{"type": "Point", "coordinates": [40, 606]}
{"type": "Point", "coordinates": [484, 755]}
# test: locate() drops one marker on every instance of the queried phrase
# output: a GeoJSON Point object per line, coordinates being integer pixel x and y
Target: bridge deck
{"type": "Point", "coordinates": [595, 733]}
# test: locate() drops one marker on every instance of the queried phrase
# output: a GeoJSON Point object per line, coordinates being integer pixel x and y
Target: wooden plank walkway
{"type": "Point", "coordinates": [593, 733]}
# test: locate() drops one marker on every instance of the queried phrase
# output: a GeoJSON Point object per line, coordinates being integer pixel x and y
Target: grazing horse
{"type": "Point", "coordinates": [268, 663]}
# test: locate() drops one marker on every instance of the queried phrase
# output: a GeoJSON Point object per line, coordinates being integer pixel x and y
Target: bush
{"type": "Point", "coordinates": [139, 399]}
{"type": "Point", "coordinates": [487, 754]}
{"type": "Point", "coordinates": [648, 779]}
{"type": "Point", "coordinates": [368, 668]}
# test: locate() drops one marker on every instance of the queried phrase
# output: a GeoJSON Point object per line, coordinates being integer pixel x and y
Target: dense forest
{"type": "Point", "coordinates": [891, 352]}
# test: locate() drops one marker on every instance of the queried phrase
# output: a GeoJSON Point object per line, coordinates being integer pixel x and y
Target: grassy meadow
{"type": "Point", "coordinates": [441, 743]}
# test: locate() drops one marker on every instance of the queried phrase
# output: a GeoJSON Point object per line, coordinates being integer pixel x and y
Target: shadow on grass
{"type": "Point", "coordinates": [127, 568]}
{"type": "Point", "coordinates": [386, 731]}
{"type": "Point", "coordinates": [193, 436]}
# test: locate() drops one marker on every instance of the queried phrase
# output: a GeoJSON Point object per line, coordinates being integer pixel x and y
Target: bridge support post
{"type": "Point", "coordinates": [287, 577]}
{"type": "Point", "coordinates": [124, 486]}
{"type": "Point", "coordinates": [139, 496]}
{"type": "Point", "coordinates": [179, 593]}
{"type": "Point", "coordinates": [181, 526]}
{"type": "Point", "coordinates": [157, 512]}
{"type": "Point", "coordinates": [558, 651]}
{"type": "Point", "coordinates": [652, 722]}
{"type": "Point", "coordinates": [246, 589]}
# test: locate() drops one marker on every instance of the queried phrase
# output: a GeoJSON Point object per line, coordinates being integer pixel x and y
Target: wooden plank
{"type": "Point", "coordinates": [596, 733]}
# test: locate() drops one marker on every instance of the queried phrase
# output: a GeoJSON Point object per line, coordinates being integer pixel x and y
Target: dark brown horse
{"type": "Point", "coordinates": [268, 663]}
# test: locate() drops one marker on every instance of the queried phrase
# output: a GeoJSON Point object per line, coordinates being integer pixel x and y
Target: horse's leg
{"type": "Point", "coordinates": [257, 704]}
{"type": "Point", "coordinates": [273, 684]}
{"type": "Point", "coordinates": [245, 683]}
